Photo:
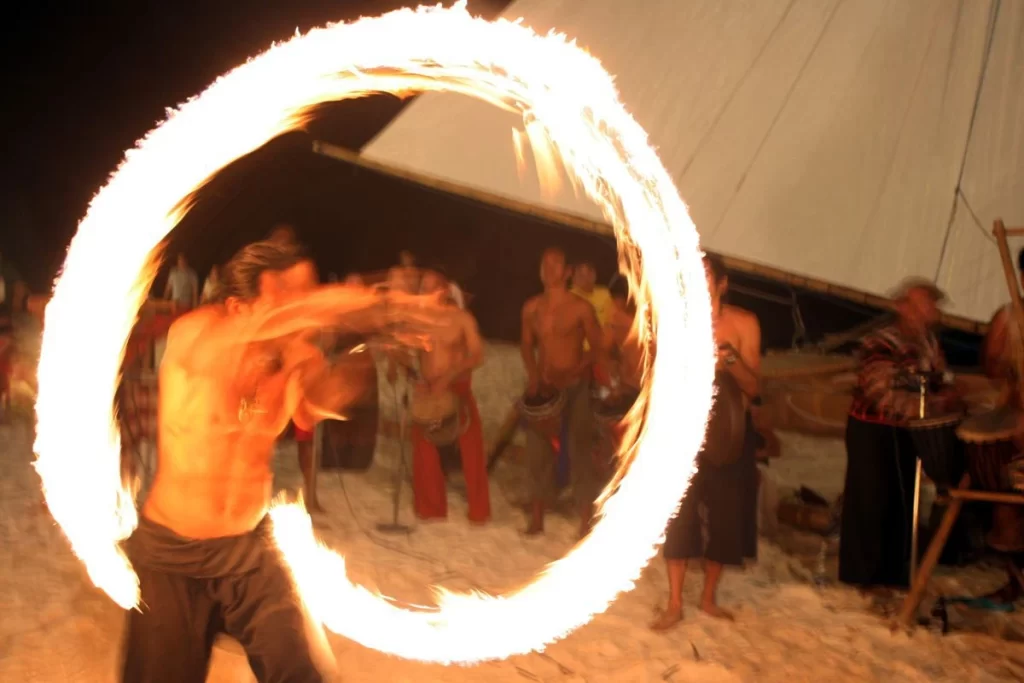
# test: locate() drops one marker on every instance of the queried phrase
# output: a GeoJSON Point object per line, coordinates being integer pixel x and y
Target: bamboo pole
{"type": "Point", "coordinates": [831, 342]}
{"type": "Point", "coordinates": [574, 221]}
{"type": "Point", "coordinates": [919, 581]}
{"type": "Point", "coordinates": [1017, 317]}
{"type": "Point", "coordinates": [986, 497]}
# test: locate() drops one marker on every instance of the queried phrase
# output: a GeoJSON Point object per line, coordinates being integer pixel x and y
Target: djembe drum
{"type": "Point", "coordinates": [438, 416]}
{"type": "Point", "coordinates": [609, 411]}
{"type": "Point", "coordinates": [543, 412]}
{"type": "Point", "coordinates": [727, 425]}
{"type": "Point", "coordinates": [990, 452]}
{"type": "Point", "coordinates": [936, 444]}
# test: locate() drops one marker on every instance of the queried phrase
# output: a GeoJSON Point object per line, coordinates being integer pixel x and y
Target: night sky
{"type": "Point", "coordinates": [85, 80]}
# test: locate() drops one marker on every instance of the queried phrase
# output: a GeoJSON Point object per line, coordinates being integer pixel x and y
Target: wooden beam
{"type": "Point", "coordinates": [579, 222]}
{"type": "Point", "coordinates": [1014, 232]}
{"type": "Point", "coordinates": [1017, 309]}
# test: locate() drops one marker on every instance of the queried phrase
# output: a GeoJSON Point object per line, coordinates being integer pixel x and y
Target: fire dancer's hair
{"type": "Point", "coordinates": [240, 277]}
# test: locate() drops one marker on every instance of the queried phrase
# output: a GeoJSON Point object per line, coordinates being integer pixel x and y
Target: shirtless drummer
{"type": "Point", "coordinates": [621, 341]}
{"type": "Point", "coordinates": [621, 383]}
{"type": "Point", "coordinates": [725, 494]}
{"type": "Point", "coordinates": [554, 326]}
{"type": "Point", "coordinates": [233, 375]}
{"type": "Point", "coordinates": [448, 366]}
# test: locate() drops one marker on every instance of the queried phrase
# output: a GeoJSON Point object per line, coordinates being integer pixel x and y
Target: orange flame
{"type": "Point", "coordinates": [571, 112]}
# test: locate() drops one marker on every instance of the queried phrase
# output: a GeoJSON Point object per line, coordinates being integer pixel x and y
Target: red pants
{"type": "Point", "coordinates": [430, 497]}
{"type": "Point", "coordinates": [301, 435]}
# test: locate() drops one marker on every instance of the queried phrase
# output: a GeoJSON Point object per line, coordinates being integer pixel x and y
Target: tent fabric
{"type": "Point", "coordinates": [851, 141]}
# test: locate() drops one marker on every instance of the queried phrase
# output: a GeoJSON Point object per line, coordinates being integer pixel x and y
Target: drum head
{"type": "Point", "coordinates": [996, 425]}
{"type": "Point", "coordinates": [727, 425]}
{"type": "Point", "coordinates": [615, 406]}
{"type": "Point", "coordinates": [936, 422]}
{"type": "Point", "coordinates": [539, 400]}
{"type": "Point", "coordinates": [429, 407]}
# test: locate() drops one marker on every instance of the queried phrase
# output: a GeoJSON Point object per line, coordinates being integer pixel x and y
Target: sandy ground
{"type": "Point", "coordinates": [57, 627]}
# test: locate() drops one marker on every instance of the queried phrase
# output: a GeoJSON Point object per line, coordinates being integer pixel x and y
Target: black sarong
{"type": "Point", "coordinates": [717, 519]}
{"type": "Point", "coordinates": [878, 500]}
{"type": "Point", "coordinates": [194, 589]}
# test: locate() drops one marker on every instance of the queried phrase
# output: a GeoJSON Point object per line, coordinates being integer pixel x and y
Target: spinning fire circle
{"type": "Point", "coordinates": [571, 109]}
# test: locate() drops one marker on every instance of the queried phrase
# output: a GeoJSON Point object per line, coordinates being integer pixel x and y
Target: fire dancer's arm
{"type": "Point", "coordinates": [353, 308]}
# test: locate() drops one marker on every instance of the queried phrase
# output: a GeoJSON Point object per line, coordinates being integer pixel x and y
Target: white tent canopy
{"type": "Point", "coordinates": [850, 141]}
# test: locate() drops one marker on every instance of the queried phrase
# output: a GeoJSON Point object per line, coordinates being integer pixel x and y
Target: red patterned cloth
{"type": "Point", "coordinates": [6, 352]}
{"type": "Point", "coordinates": [138, 401]}
{"type": "Point", "coordinates": [147, 331]}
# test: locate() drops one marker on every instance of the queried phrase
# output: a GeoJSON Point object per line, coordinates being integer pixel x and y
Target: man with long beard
{"type": "Point", "coordinates": [233, 376]}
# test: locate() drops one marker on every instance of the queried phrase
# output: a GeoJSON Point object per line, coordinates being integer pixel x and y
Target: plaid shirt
{"type": "Point", "coordinates": [887, 390]}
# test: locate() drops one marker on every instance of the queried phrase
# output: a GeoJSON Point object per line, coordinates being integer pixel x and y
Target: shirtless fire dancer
{"type": "Point", "coordinates": [448, 366]}
{"type": "Point", "coordinates": [724, 495]}
{"type": "Point", "coordinates": [233, 375]}
{"type": "Point", "coordinates": [554, 326]}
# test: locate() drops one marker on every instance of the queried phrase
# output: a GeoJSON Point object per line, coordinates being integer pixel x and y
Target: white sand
{"type": "Point", "coordinates": [56, 627]}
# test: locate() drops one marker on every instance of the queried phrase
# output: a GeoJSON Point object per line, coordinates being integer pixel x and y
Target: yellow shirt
{"type": "Point", "coordinates": [601, 300]}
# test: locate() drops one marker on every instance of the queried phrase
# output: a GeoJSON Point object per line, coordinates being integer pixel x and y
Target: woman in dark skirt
{"type": "Point", "coordinates": [875, 531]}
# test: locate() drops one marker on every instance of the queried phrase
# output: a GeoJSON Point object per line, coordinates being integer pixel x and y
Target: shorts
{"type": "Point", "coordinates": [717, 519]}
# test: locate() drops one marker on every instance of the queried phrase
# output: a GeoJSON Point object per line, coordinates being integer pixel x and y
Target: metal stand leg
{"type": "Point", "coordinates": [916, 522]}
{"type": "Point", "coordinates": [394, 527]}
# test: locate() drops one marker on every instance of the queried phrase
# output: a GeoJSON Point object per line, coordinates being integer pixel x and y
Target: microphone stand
{"type": "Point", "coordinates": [394, 527]}
{"type": "Point", "coordinates": [923, 388]}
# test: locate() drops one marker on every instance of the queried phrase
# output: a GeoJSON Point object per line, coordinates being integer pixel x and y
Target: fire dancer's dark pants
{"type": "Point", "coordinates": [194, 589]}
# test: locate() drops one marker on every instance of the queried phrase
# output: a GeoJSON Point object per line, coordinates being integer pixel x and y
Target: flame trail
{"type": "Point", "coordinates": [571, 109]}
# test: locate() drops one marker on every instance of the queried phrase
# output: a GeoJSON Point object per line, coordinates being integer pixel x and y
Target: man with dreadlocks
{"type": "Point", "coordinates": [233, 375]}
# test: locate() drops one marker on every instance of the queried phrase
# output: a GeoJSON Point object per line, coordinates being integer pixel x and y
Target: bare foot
{"type": "Point", "coordinates": [713, 610]}
{"type": "Point", "coordinates": [667, 618]}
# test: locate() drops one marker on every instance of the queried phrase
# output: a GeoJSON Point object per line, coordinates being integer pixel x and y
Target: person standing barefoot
{"type": "Point", "coordinates": [722, 499]}
{"type": "Point", "coordinates": [555, 325]}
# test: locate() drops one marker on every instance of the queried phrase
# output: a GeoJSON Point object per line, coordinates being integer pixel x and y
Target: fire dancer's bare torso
{"type": "Point", "coordinates": [557, 324]}
{"type": "Point", "coordinates": [222, 407]}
